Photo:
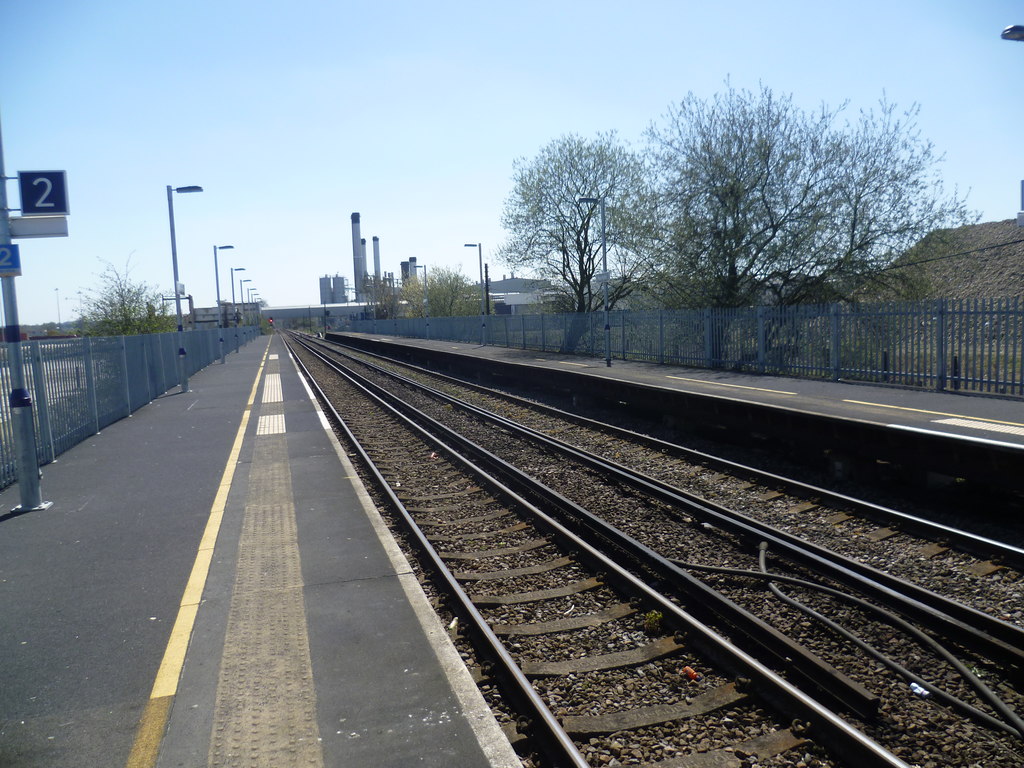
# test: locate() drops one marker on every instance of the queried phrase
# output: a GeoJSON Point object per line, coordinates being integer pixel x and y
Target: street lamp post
{"type": "Point", "coordinates": [241, 296]}
{"type": "Point", "coordinates": [234, 306]}
{"type": "Point", "coordinates": [1016, 32]}
{"type": "Point", "coordinates": [1013, 32]}
{"type": "Point", "coordinates": [182, 370]}
{"type": "Point", "coordinates": [484, 309]}
{"type": "Point", "coordinates": [59, 327]}
{"type": "Point", "coordinates": [604, 267]}
{"type": "Point", "coordinates": [254, 298]}
{"type": "Point", "coordinates": [216, 278]}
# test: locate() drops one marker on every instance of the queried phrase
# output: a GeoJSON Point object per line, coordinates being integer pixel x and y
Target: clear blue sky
{"type": "Point", "coordinates": [293, 115]}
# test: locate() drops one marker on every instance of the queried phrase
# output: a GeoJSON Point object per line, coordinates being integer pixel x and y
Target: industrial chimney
{"type": "Point", "coordinates": [358, 259]}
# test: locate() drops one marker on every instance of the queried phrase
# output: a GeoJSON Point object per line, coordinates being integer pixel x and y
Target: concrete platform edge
{"type": "Point", "coordinates": [476, 711]}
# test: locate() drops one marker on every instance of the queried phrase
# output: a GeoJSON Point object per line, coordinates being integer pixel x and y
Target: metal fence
{"type": "Point", "coordinates": [966, 345]}
{"type": "Point", "coordinates": [79, 386]}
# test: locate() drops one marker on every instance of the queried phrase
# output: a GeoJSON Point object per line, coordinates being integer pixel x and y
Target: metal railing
{"type": "Point", "coordinates": [972, 345]}
{"type": "Point", "coordinates": [81, 385]}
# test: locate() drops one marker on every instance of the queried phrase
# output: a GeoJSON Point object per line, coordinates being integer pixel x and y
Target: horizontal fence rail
{"type": "Point", "coordinates": [972, 345]}
{"type": "Point", "coordinates": [81, 385]}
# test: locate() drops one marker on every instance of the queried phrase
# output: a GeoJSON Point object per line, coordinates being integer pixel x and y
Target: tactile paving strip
{"type": "Point", "coordinates": [270, 424]}
{"type": "Point", "coordinates": [265, 712]}
{"type": "Point", "coordinates": [272, 388]}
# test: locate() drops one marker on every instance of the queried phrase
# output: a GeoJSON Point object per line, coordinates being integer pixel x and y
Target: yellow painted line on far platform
{"type": "Point", "coordinates": [562, 362]}
{"type": "Point", "coordinates": [734, 386]}
{"type": "Point", "coordinates": [934, 413]}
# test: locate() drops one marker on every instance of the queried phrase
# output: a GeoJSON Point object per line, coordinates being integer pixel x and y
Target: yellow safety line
{"type": "Point", "coordinates": [149, 734]}
{"type": "Point", "coordinates": [734, 386]}
{"type": "Point", "coordinates": [935, 413]}
{"type": "Point", "coordinates": [561, 362]}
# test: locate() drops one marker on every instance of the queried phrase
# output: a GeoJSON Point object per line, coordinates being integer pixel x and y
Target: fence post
{"type": "Point", "coordinates": [90, 385]}
{"type": "Point", "coordinates": [42, 403]}
{"type": "Point", "coordinates": [708, 360]}
{"type": "Point", "coordinates": [836, 327]}
{"type": "Point", "coordinates": [940, 343]}
{"type": "Point", "coordinates": [146, 367]}
{"type": "Point", "coordinates": [661, 337]}
{"type": "Point", "coordinates": [762, 341]}
{"type": "Point", "coordinates": [127, 387]}
{"type": "Point", "coordinates": [622, 319]}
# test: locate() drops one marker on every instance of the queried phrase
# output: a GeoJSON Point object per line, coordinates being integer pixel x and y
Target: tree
{"type": "Point", "coordinates": [557, 238]}
{"type": "Point", "coordinates": [449, 294]}
{"type": "Point", "coordinates": [123, 308]}
{"type": "Point", "coordinates": [381, 297]}
{"type": "Point", "coordinates": [768, 202]}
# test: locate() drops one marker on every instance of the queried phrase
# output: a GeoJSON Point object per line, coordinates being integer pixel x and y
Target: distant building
{"type": "Point", "coordinates": [516, 295]}
{"type": "Point", "coordinates": [333, 290]}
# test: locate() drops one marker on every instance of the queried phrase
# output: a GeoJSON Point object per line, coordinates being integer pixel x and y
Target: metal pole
{"type": "Point", "coordinates": [483, 297]}
{"type": "Point", "coordinates": [234, 310]}
{"type": "Point", "coordinates": [182, 375]}
{"type": "Point", "coordinates": [20, 400]}
{"type": "Point", "coordinates": [241, 298]}
{"type": "Point", "coordinates": [604, 266]}
{"type": "Point", "coordinates": [220, 325]}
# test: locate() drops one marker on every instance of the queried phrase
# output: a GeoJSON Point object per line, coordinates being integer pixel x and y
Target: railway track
{"type": "Point", "coordinates": [700, 567]}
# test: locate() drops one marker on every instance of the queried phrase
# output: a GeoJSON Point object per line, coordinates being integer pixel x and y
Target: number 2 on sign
{"type": "Point", "coordinates": [42, 202]}
{"type": "Point", "coordinates": [10, 263]}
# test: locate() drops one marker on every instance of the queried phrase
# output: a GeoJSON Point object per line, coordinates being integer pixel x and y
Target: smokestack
{"type": "Point", "coordinates": [358, 262]}
{"type": "Point", "coordinates": [362, 251]}
{"type": "Point", "coordinates": [376, 257]}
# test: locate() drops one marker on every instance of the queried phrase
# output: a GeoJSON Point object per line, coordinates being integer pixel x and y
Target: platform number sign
{"type": "Point", "coordinates": [10, 261]}
{"type": "Point", "coordinates": [43, 193]}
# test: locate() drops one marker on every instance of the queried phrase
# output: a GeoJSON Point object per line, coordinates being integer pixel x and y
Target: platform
{"type": "Point", "coordinates": [966, 415]}
{"type": "Point", "coordinates": [212, 586]}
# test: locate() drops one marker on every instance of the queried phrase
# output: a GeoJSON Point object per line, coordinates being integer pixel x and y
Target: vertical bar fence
{"type": "Point", "coordinates": [969, 345]}
{"type": "Point", "coordinates": [81, 385]}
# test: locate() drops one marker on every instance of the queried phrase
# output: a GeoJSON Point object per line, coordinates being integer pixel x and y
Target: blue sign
{"type": "Point", "coordinates": [10, 261]}
{"type": "Point", "coordinates": [43, 193]}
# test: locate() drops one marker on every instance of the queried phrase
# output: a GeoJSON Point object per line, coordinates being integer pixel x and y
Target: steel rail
{"type": "Point", "coordinates": [562, 749]}
{"type": "Point", "coordinates": [966, 541]}
{"type": "Point", "coordinates": [949, 617]}
{"type": "Point", "coordinates": [853, 744]}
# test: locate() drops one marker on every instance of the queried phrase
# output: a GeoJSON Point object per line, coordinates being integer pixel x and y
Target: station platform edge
{"type": "Point", "coordinates": [213, 586]}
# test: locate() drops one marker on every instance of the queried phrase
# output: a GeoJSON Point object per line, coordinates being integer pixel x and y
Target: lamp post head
{"type": "Point", "coordinates": [590, 200]}
{"type": "Point", "coordinates": [1013, 32]}
{"type": "Point", "coordinates": [225, 247]}
{"type": "Point", "coordinates": [470, 245]}
{"type": "Point", "coordinates": [186, 190]}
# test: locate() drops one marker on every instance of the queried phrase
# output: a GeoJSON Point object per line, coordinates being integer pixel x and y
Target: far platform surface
{"type": "Point", "coordinates": [213, 587]}
{"type": "Point", "coordinates": [972, 416]}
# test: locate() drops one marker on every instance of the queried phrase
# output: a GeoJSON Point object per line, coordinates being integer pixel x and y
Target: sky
{"type": "Point", "coordinates": [292, 116]}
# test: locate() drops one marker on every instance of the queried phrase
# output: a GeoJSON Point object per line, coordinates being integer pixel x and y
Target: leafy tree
{"type": "Point", "coordinates": [381, 298]}
{"type": "Point", "coordinates": [557, 238]}
{"type": "Point", "coordinates": [767, 202]}
{"type": "Point", "coordinates": [121, 307]}
{"type": "Point", "coordinates": [449, 294]}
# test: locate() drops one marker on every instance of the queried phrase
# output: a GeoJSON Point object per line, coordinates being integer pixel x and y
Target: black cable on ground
{"type": "Point", "coordinates": [1013, 724]}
